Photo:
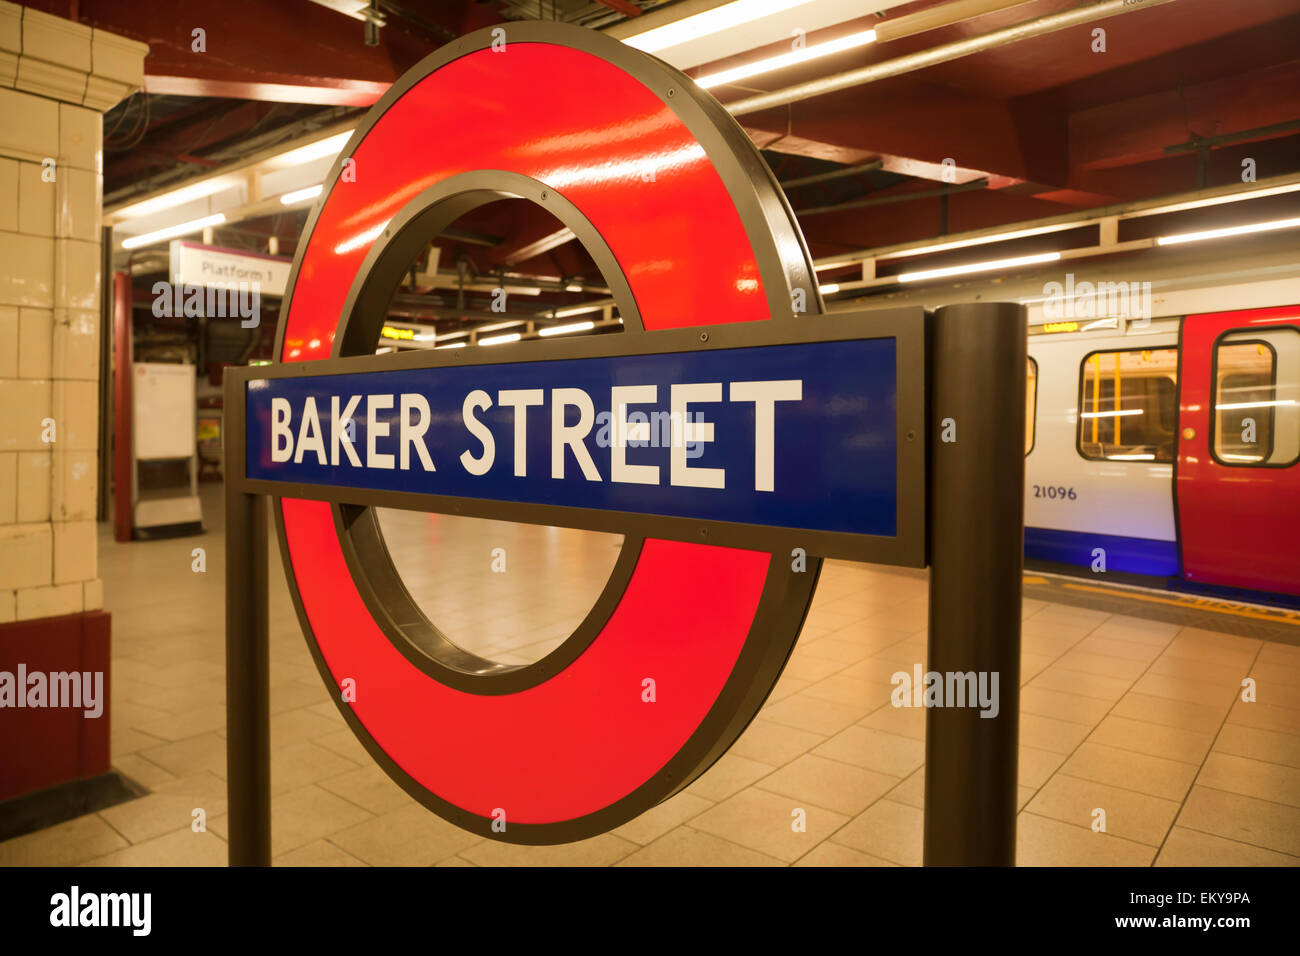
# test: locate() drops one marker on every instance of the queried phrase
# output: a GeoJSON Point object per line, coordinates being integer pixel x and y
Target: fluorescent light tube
{"type": "Point", "coordinates": [298, 195]}
{"type": "Point", "coordinates": [171, 232]}
{"type": "Point", "coordinates": [566, 329]}
{"type": "Point", "coordinates": [717, 20]}
{"type": "Point", "coordinates": [1228, 231]}
{"type": "Point", "coordinates": [978, 267]}
{"type": "Point", "coordinates": [746, 70]}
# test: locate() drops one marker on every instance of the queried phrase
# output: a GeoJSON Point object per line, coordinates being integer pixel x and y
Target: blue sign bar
{"type": "Point", "coordinates": [790, 436]}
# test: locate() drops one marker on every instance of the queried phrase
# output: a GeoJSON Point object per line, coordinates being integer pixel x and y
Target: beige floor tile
{"type": "Point", "coordinates": [815, 715]}
{"type": "Point", "coordinates": [369, 788]}
{"type": "Point", "coordinates": [1265, 717]}
{"type": "Point", "coordinates": [832, 784]}
{"type": "Point", "coordinates": [1186, 847]}
{"type": "Point", "coordinates": [1062, 706]}
{"type": "Point", "coordinates": [1048, 733]}
{"type": "Point", "coordinates": [302, 816]}
{"type": "Point", "coordinates": [1277, 672]}
{"type": "Point", "coordinates": [687, 847]}
{"type": "Point", "coordinates": [803, 667]}
{"type": "Point", "coordinates": [903, 721]}
{"type": "Point", "coordinates": [1042, 841]}
{"type": "Point", "coordinates": [874, 750]}
{"type": "Point", "coordinates": [842, 652]}
{"type": "Point", "coordinates": [1103, 665]}
{"type": "Point", "coordinates": [889, 830]}
{"type": "Point", "coordinates": [773, 743]}
{"type": "Point", "coordinates": [1036, 766]}
{"type": "Point", "coordinates": [1117, 646]}
{"type": "Point", "coordinates": [299, 764]}
{"type": "Point", "coordinates": [767, 822]}
{"type": "Point", "coordinates": [787, 686]}
{"type": "Point", "coordinates": [1214, 674]}
{"type": "Point", "coordinates": [1252, 778]}
{"type": "Point", "coordinates": [64, 844]}
{"type": "Point", "coordinates": [731, 774]}
{"type": "Point", "coordinates": [911, 791]}
{"type": "Point", "coordinates": [1154, 739]}
{"type": "Point", "coordinates": [182, 848]}
{"type": "Point", "coordinates": [1244, 819]}
{"type": "Point", "coordinates": [603, 850]}
{"type": "Point", "coordinates": [1186, 715]}
{"type": "Point", "coordinates": [1197, 644]}
{"type": "Point", "coordinates": [1267, 745]}
{"type": "Point", "coordinates": [1136, 630]}
{"type": "Point", "coordinates": [1076, 682]}
{"type": "Point", "coordinates": [169, 808]}
{"type": "Point", "coordinates": [294, 726]}
{"type": "Point", "coordinates": [144, 772]}
{"type": "Point", "coordinates": [850, 691]}
{"type": "Point", "coordinates": [834, 854]}
{"type": "Point", "coordinates": [1156, 776]}
{"type": "Point", "coordinates": [183, 758]}
{"type": "Point", "coordinates": [658, 820]}
{"type": "Point", "coordinates": [1128, 814]}
{"type": "Point", "coordinates": [877, 670]}
{"type": "Point", "coordinates": [411, 836]}
{"type": "Point", "coordinates": [318, 853]}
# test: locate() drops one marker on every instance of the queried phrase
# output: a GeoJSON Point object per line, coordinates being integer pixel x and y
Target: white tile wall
{"type": "Point", "coordinates": [49, 601]}
{"type": "Point", "coordinates": [26, 554]}
{"type": "Point", "coordinates": [56, 76]}
{"type": "Point", "coordinates": [74, 551]}
{"type": "Point", "coordinates": [33, 486]}
{"type": "Point", "coordinates": [35, 342]}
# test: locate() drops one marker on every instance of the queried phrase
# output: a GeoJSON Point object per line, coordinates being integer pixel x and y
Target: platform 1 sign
{"type": "Point", "coordinates": [802, 437]}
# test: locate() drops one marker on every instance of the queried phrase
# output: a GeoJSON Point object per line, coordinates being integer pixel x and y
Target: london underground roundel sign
{"type": "Point", "coordinates": [805, 441]}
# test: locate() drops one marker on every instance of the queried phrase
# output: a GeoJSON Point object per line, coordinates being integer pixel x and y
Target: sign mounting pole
{"type": "Point", "coordinates": [248, 684]}
{"type": "Point", "coordinates": [975, 517]}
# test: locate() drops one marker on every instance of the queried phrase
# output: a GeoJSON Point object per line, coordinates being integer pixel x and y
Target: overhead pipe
{"type": "Point", "coordinates": [940, 54]}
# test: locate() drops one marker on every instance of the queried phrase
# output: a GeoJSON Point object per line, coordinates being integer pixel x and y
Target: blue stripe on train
{"type": "Point", "coordinates": [1134, 555]}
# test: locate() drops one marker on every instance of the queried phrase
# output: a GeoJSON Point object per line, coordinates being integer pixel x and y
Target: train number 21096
{"type": "Point", "coordinates": [1054, 491]}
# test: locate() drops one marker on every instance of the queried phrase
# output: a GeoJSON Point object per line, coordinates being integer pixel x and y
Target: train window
{"type": "Point", "coordinates": [1256, 413]}
{"type": "Point", "coordinates": [1031, 404]}
{"type": "Point", "coordinates": [1128, 407]}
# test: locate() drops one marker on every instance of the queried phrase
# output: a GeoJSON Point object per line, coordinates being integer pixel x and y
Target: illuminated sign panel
{"type": "Point", "coordinates": [794, 436]}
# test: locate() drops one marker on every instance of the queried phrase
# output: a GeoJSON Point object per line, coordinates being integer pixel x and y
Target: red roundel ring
{"type": "Point", "coordinates": [682, 215]}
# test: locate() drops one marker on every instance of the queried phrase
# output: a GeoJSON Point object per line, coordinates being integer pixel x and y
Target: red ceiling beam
{"type": "Point", "coordinates": [285, 52]}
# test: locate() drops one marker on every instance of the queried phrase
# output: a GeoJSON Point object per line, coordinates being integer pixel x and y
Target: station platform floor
{"type": "Point", "coordinates": [1126, 706]}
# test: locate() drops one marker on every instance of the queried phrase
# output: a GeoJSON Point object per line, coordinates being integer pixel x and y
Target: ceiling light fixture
{"type": "Point", "coordinates": [978, 267]}
{"type": "Point", "coordinates": [499, 339]}
{"type": "Point", "coordinates": [746, 70]}
{"type": "Point", "coordinates": [171, 232]}
{"type": "Point", "coordinates": [566, 329]}
{"type": "Point", "coordinates": [1269, 226]}
{"type": "Point", "coordinates": [298, 195]}
{"type": "Point", "coordinates": [725, 17]}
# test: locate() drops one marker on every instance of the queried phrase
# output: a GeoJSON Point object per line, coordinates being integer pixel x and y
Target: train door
{"type": "Point", "coordinates": [1238, 484]}
{"type": "Point", "coordinates": [1098, 480]}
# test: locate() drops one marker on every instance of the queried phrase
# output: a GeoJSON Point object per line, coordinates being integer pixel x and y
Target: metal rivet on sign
{"type": "Point", "coordinates": [704, 336]}
{"type": "Point", "coordinates": [671, 91]}
{"type": "Point", "coordinates": [911, 436]}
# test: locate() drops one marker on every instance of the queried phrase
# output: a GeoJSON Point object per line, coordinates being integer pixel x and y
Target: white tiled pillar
{"type": "Point", "coordinates": [56, 79]}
